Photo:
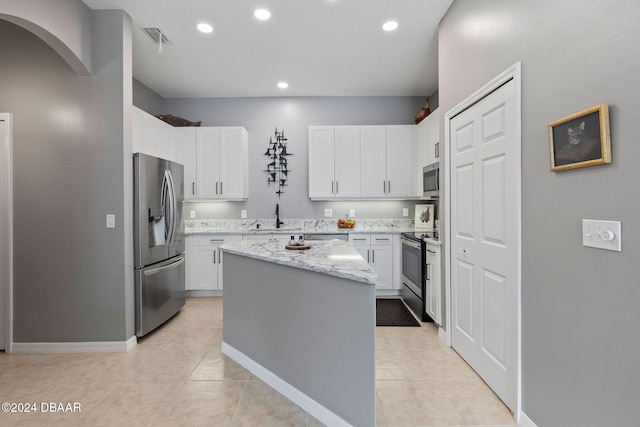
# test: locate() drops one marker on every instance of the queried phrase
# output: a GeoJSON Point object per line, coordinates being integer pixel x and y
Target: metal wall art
{"type": "Point", "coordinates": [278, 166]}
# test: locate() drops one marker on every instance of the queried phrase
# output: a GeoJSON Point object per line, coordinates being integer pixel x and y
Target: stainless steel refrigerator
{"type": "Point", "coordinates": [158, 241]}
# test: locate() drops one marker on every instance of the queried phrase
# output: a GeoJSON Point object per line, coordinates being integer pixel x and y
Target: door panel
{"type": "Point", "coordinates": [484, 247]}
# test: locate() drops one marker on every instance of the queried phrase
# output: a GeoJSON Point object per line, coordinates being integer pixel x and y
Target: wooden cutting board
{"type": "Point", "coordinates": [298, 248]}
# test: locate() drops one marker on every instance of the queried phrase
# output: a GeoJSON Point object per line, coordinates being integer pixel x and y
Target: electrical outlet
{"type": "Point", "coordinates": [405, 211]}
{"type": "Point", "coordinates": [352, 213]}
{"type": "Point", "coordinates": [328, 213]}
{"type": "Point", "coordinates": [192, 214]}
{"type": "Point", "coordinates": [243, 214]}
{"type": "Point", "coordinates": [602, 234]}
{"type": "Point", "coordinates": [111, 221]}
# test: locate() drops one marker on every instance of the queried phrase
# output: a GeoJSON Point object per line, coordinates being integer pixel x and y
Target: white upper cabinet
{"type": "Point", "coordinates": [215, 162]}
{"type": "Point", "coordinates": [334, 169]}
{"type": "Point", "coordinates": [152, 136]}
{"type": "Point", "coordinates": [360, 162]}
{"type": "Point", "coordinates": [427, 148]}
{"type": "Point", "coordinates": [321, 155]}
{"type": "Point", "coordinates": [400, 161]}
{"type": "Point", "coordinates": [373, 160]}
{"type": "Point", "coordinates": [346, 164]}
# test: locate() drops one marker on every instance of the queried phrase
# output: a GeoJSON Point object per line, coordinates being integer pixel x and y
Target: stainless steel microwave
{"type": "Point", "coordinates": [431, 180]}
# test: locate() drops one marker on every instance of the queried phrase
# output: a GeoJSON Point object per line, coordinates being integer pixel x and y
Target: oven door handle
{"type": "Point", "coordinates": [411, 243]}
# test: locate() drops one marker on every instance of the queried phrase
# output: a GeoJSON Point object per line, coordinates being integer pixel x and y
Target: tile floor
{"type": "Point", "coordinates": [177, 376]}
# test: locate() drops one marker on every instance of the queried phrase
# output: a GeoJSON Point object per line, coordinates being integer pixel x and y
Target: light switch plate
{"type": "Point", "coordinates": [111, 221]}
{"type": "Point", "coordinates": [192, 214]}
{"type": "Point", "coordinates": [352, 213]}
{"type": "Point", "coordinates": [602, 234]}
{"type": "Point", "coordinates": [243, 214]}
{"type": "Point", "coordinates": [328, 213]}
{"type": "Point", "coordinates": [405, 211]}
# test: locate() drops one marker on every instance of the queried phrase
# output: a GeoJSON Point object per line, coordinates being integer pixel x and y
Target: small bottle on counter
{"type": "Point", "coordinates": [301, 240]}
{"type": "Point", "coordinates": [292, 241]}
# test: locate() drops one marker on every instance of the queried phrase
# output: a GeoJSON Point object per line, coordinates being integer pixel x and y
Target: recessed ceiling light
{"type": "Point", "coordinates": [283, 85]}
{"type": "Point", "coordinates": [205, 28]}
{"type": "Point", "coordinates": [262, 14]}
{"type": "Point", "coordinates": [390, 25]}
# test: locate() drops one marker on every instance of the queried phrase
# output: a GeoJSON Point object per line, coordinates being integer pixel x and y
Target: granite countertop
{"type": "Point", "coordinates": [296, 226]}
{"type": "Point", "coordinates": [332, 257]}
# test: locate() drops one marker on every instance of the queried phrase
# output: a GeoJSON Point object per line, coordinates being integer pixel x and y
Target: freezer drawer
{"type": "Point", "coordinates": [159, 293]}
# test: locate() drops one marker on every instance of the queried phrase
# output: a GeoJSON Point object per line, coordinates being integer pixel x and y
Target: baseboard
{"type": "Point", "coordinates": [75, 347]}
{"type": "Point", "coordinates": [202, 294]}
{"type": "Point", "coordinates": [525, 421]}
{"type": "Point", "coordinates": [314, 408]}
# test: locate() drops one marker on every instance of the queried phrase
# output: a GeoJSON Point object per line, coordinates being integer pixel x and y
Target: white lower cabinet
{"type": "Point", "coordinates": [433, 291]}
{"type": "Point", "coordinates": [204, 261]}
{"type": "Point", "coordinates": [377, 250]}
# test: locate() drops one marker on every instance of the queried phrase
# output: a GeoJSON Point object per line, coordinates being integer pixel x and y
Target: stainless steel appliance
{"type": "Point", "coordinates": [414, 271]}
{"type": "Point", "coordinates": [431, 180]}
{"type": "Point", "coordinates": [158, 241]}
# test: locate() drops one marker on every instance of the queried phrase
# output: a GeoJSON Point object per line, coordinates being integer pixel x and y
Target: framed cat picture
{"type": "Point", "coordinates": [581, 139]}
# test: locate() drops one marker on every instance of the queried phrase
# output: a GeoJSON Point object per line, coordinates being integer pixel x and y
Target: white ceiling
{"type": "Point", "coordinates": [320, 47]}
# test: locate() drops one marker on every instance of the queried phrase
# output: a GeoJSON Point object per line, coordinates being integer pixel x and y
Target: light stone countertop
{"type": "Point", "coordinates": [332, 257]}
{"type": "Point", "coordinates": [296, 226]}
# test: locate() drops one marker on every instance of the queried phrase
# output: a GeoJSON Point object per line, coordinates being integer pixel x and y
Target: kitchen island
{"type": "Point", "coordinates": [303, 321]}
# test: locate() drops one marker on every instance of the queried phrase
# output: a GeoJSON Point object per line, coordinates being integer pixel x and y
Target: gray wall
{"type": "Point", "coordinates": [146, 99]}
{"type": "Point", "coordinates": [70, 279]}
{"type": "Point", "coordinates": [580, 313]}
{"type": "Point", "coordinates": [260, 116]}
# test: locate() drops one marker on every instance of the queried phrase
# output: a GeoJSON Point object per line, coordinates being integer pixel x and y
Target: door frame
{"type": "Point", "coordinates": [512, 73]}
{"type": "Point", "coordinates": [8, 226]}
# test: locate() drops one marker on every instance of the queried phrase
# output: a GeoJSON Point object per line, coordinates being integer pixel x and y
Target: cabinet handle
{"type": "Point", "coordinates": [332, 188]}
{"type": "Point", "coordinates": [221, 187]}
{"type": "Point", "coordinates": [219, 256]}
{"type": "Point", "coordinates": [437, 149]}
{"type": "Point", "coordinates": [216, 188]}
{"type": "Point", "coordinates": [360, 239]}
{"type": "Point", "coordinates": [373, 256]}
{"type": "Point", "coordinates": [368, 259]}
{"type": "Point", "coordinates": [384, 187]}
{"type": "Point", "coordinates": [214, 257]}
{"type": "Point", "coordinates": [388, 186]}
{"type": "Point", "coordinates": [193, 188]}
{"type": "Point", "coordinates": [382, 239]}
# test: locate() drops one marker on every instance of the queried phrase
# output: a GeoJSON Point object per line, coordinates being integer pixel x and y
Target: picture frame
{"type": "Point", "coordinates": [424, 216]}
{"type": "Point", "coordinates": [581, 139]}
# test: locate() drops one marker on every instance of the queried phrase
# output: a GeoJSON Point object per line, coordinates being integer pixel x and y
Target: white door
{"type": "Point", "coordinates": [5, 248]}
{"type": "Point", "coordinates": [485, 213]}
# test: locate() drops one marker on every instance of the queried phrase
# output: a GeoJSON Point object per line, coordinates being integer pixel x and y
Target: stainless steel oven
{"type": "Point", "coordinates": [414, 274]}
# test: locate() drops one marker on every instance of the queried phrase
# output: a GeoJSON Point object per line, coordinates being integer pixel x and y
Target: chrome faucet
{"type": "Point", "coordinates": [278, 222]}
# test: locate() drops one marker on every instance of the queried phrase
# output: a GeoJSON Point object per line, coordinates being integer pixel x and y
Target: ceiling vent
{"type": "Point", "coordinates": [155, 34]}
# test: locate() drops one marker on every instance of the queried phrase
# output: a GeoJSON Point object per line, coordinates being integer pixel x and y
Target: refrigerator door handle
{"type": "Point", "coordinates": [172, 211]}
{"type": "Point", "coordinates": [164, 267]}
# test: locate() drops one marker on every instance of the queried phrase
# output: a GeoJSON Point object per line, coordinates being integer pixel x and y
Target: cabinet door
{"type": "Point", "coordinates": [347, 161]}
{"type": "Point", "coordinates": [422, 154]}
{"type": "Point", "coordinates": [399, 161]}
{"type": "Point", "coordinates": [232, 163]}
{"type": "Point", "coordinates": [186, 156]}
{"type": "Point", "coordinates": [433, 136]}
{"type": "Point", "coordinates": [373, 161]}
{"type": "Point", "coordinates": [321, 156]}
{"type": "Point", "coordinates": [204, 276]}
{"type": "Point", "coordinates": [208, 163]}
{"type": "Point", "coordinates": [382, 260]}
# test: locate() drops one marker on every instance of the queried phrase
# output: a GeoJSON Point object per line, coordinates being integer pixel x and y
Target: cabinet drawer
{"type": "Point", "coordinates": [381, 239]}
{"type": "Point", "coordinates": [207, 240]}
{"type": "Point", "coordinates": [360, 239]}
